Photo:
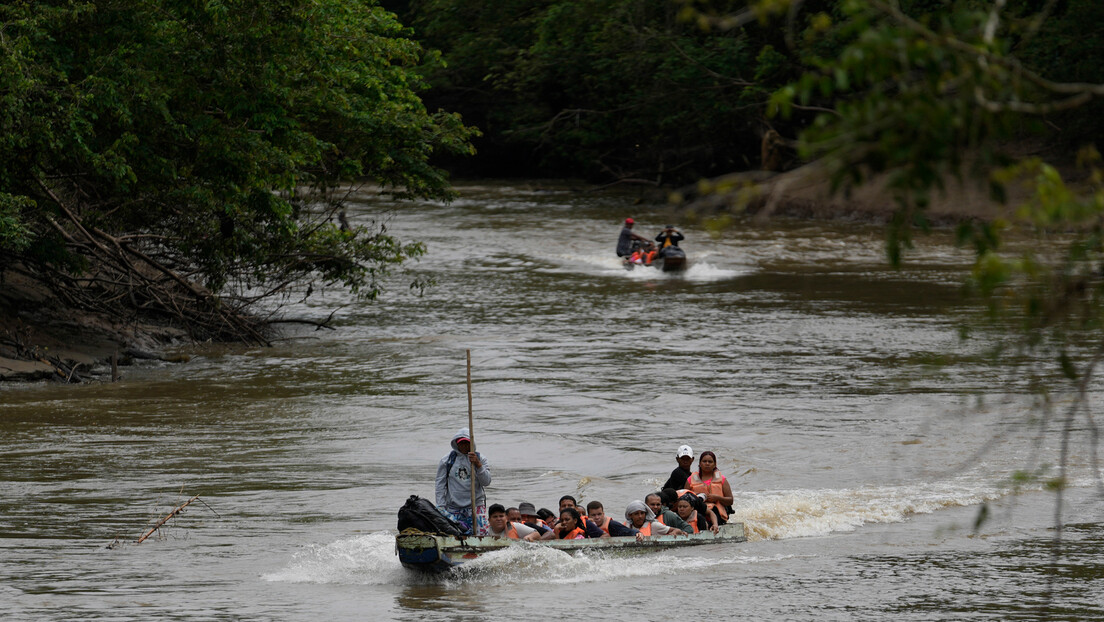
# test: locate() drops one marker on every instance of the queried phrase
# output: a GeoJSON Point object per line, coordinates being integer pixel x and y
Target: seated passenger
{"type": "Point", "coordinates": [610, 527]}
{"type": "Point", "coordinates": [696, 500]}
{"type": "Point", "coordinates": [708, 481]}
{"type": "Point", "coordinates": [698, 521]}
{"type": "Point", "coordinates": [502, 528]}
{"type": "Point", "coordinates": [513, 515]}
{"type": "Point", "coordinates": [669, 496]}
{"type": "Point", "coordinates": [641, 518]}
{"type": "Point", "coordinates": [669, 237]}
{"type": "Point", "coordinates": [547, 517]}
{"type": "Point", "coordinates": [663, 515]}
{"type": "Point", "coordinates": [530, 518]}
{"type": "Point", "coordinates": [592, 530]}
{"type": "Point", "coordinates": [569, 526]}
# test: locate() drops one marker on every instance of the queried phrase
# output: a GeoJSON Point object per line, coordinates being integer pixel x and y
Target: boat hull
{"type": "Point", "coordinates": [673, 259]}
{"type": "Point", "coordinates": [435, 553]}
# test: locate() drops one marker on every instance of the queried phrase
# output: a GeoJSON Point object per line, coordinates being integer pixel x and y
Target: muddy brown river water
{"type": "Point", "coordinates": [789, 348]}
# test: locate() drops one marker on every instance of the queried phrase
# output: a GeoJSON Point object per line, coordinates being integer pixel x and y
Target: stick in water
{"type": "Point", "coordinates": [167, 518]}
{"type": "Point", "coordinates": [471, 437]}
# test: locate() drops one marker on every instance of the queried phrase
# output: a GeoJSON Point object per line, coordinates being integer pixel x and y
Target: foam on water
{"type": "Point", "coordinates": [371, 560]}
{"type": "Point", "coordinates": [526, 563]}
{"type": "Point", "coordinates": [705, 272]}
{"type": "Point", "coordinates": [364, 560]}
{"type": "Point", "coordinates": [699, 271]}
{"type": "Point", "coordinates": [802, 513]}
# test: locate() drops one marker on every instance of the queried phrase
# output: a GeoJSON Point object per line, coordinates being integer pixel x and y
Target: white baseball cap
{"type": "Point", "coordinates": [684, 451]}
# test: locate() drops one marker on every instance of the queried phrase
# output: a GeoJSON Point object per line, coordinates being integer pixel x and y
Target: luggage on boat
{"type": "Point", "coordinates": [420, 514]}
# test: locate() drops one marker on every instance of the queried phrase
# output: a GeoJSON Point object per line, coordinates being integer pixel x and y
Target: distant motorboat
{"type": "Point", "coordinates": [670, 259]}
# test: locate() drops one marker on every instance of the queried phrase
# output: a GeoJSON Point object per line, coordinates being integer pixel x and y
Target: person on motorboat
{"type": "Point", "coordinates": [664, 515]}
{"type": "Point", "coordinates": [641, 518]}
{"type": "Point", "coordinates": [513, 515]}
{"type": "Point", "coordinates": [454, 488]}
{"type": "Point", "coordinates": [685, 458]}
{"type": "Point", "coordinates": [710, 482]}
{"type": "Point", "coordinates": [643, 253]}
{"type": "Point", "coordinates": [667, 238]}
{"type": "Point", "coordinates": [569, 527]}
{"type": "Point", "coordinates": [626, 239]}
{"type": "Point", "coordinates": [500, 527]}
{"type": "Point", "coordinates": [592, 530]}
{"type": "Point", "coordinates": [597, 515]}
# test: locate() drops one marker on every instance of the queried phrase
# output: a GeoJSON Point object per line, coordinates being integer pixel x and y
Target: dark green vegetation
{"type": "Point", "coordinates": [181, 160]}
{"type": "Point", "coordinates": [672, 91]}
{"type": "Point", "coordinates": [602, 89]}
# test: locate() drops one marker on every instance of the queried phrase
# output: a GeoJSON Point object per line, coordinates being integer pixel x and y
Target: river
{"type": "Point", "coordinates": [789, 348]}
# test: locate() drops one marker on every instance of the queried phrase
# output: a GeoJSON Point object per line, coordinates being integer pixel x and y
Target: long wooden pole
{"type": "Point", "coordinates": [471, 437]}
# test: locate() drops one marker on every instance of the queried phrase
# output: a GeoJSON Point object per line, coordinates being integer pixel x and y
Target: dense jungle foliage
{"type": "Point", "coordinates": [674, 90]}
{"type": "Point", "coordinates": [183, 159]}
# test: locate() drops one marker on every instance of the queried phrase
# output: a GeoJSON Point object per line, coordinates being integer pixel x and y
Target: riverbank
{"type": "Point", "coordinates": [806, 193]}
{"type": "Point", "coordinates": [42, 339]}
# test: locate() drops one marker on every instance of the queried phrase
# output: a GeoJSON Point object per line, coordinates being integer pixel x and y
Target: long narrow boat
{"type": "Point", "coordinates": [438, 553]}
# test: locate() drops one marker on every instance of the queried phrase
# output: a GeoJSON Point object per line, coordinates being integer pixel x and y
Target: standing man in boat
{"type": "Point", "coordinates": [454, 477]}
{"type": "Point", "coordinates": [668, 237]}
{"type": "Point", "coordinates": [625, 241]}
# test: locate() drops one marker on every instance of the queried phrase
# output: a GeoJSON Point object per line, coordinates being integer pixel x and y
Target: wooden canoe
{"type": "Point", "coordinates": [437, 553]}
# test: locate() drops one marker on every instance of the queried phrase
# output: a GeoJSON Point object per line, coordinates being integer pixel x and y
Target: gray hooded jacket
{"type": "Point", "coordinates": [454, 485]}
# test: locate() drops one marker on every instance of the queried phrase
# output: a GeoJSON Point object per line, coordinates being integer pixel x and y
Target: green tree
{"type": "Point", "coordinates": [922, 92]}
{"type": "Point", "coordinates": [606, 89]}
{"type": "Point", "coordinates": [187, 159]}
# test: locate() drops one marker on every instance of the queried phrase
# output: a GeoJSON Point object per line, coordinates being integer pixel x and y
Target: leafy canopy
{"type": "Point", "coordinates": [210, 137]}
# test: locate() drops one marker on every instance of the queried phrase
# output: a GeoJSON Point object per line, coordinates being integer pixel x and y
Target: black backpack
{"type": "Point", "coordinates": [420, 514]}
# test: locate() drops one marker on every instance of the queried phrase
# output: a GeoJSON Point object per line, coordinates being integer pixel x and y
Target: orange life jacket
{"type": "Point", "coordinates": [714, 486]}
{"type": "Point", "coordinates": [574, 534]}
{"type": "Point", "coordinates": [605, 525]}
{"type": "Point", "coordinates": [693, 521]}
{"type": "Point", "coordinates": [511, 531]}
{"type": "Point", "coordinates": [646, 529]}
{"type": "Point", "coordinates": [659, 519]}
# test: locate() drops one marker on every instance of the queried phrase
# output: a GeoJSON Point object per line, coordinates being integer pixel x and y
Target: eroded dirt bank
{"type": "Point", "coordinates": [42, 339]}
